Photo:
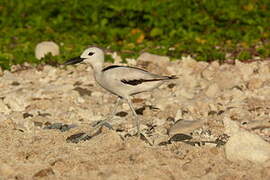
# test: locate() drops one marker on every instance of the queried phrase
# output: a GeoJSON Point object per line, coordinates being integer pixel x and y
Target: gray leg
{"type": "Point", "coordinates": [110, 116]}
{"type": "Point", "coordinates": [136, 117]}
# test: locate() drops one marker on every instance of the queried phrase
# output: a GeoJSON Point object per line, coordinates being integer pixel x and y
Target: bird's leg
{"type": "Point", "coordinates": [137, 122]}
{"type": "Point", "coordinates": [109, 117]}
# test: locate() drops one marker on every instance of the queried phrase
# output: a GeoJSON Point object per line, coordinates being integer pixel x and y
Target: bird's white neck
{"type": "Point", "coordinates": [97, 67]}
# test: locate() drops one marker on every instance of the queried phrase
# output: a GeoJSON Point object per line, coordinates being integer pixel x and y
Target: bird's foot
{"type": "Point", "coordinates": [103, 123]}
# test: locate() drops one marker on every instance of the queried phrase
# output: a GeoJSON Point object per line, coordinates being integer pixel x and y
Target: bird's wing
{"type": "Point", "coordinates": [132, 75]}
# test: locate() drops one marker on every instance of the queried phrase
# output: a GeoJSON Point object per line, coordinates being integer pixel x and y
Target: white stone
{"type": "Point", "coordinates": [16, 101]}
{"type": "Point", "coordinates": [96, 94]}
{"type": "Point", "coordinates": [185, 93]}
{"type": "Point", "coordinates": [131, 61]}
{"type": "Point", "coordinates": [212, 90]}
{"type": "Point", "coordinates": [3, 108]}
{"type": "Point", "coordinates": [245, 69]}
{"type": "Point", "coordinates": [6, 170]}
{"type": "Point", "coordinates": [151, 57]}
{"type": "Point", "coordinates": [185, 126]}
{"type": "Point", "coordinates": [159, 122]}
{"type": "Point", "coordinates": [116, 57]}
{"type": "Point", "coordinates": [45, 48]}
{"type": "Point", "coordinates": [244, 145]}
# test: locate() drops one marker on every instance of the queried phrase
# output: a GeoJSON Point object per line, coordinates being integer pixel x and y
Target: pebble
{"type": "Point", "coordinates": [46, 47]}
{"type": "Point", "coordinates": [6, 170]}
{"type": "Point", "coordinates": [185, 126]}
{"type": "Point", "coordinates": [254, 83]}
{"type": "Point", "coordinates": [4, 108]}
{"type": "Point", "coordinates": [212, 90]}
{"type": "Point", "coordinates": [180, 137]}
{"type": "Point", "coordinates": [243, 145]}
{"type": "Point", "coordinates": [43, 173]}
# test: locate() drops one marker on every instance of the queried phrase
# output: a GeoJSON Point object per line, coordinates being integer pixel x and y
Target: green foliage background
{"type": "Point", "coordinates": [205, 29]}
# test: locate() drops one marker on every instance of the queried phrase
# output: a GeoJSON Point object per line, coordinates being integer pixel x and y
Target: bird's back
{"type": "Point", "coordinates": [125, 81]}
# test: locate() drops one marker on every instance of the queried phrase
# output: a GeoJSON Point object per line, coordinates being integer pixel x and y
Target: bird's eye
{"type": "Point", "coordinates": [91, 53]}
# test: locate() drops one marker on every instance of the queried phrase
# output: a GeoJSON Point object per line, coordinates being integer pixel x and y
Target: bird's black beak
{"type": "Point", "coordinates": [74, 61]}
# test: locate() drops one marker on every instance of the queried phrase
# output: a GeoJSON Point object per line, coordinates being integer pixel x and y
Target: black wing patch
{"type": "Point", "coordinates": [110, 67]}
{"type": "Point", "coordinates": [135, 82]}
{"type": "Point", "coordinates": [117, 66]}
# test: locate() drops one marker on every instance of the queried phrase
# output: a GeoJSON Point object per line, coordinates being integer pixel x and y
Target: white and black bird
{"type": "Point", "coordinates": [122, 81]}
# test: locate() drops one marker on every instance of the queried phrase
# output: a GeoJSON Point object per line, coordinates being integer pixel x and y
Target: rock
{"type": "Point", "coordinates": [246, 69]}
{"type": "Point", "coordinates": [3, 107]}
{"type": "Point", "coordinates": [180, 137]}
{"type": "Point", "coordinates": [117, 59]}
{"type": "Point", "coordinates": [131, 62]}
{"type": "Point", "coordinates": [189, 63]}
{"type": "Point", "coordinates": [6, 170]}
{"type": "Point", "coordinates": [106, 139]}
{"type": "Point", "coordinates": [16, 101]}
{"type": "Point", "coordinates": [212, 90]}
{"type": "Point", "coordinates": [150, 57]}
{"type": "Point", "coordinates": [154, 63]}
{"type": "Point", "coordinates": [227, 77]}
{"type": "Point", "coordinates": [43, 173]}
{"type": "Point", "coordinates": [186, 93]}
{"type": "Point", "coordinates": [254, 83]}
{"type": "Point", "coordinates": [210, 71]}
{"type": "Point", "coordinates": [243, 145]}
{"type": "Point", "coordinates": [185, 126]}
{"type": "Point", "coordinates": [20, 123]}
{"type": "Point", "coordinates": [46, 47]}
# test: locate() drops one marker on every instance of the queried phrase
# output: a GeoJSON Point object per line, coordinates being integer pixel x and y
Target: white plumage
{"type": "Point", "coordinates": [122, 81]}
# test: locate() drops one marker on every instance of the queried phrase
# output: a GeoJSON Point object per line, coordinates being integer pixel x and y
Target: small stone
{"type": "Point", "coordinates": [46, 47]}
{"type": "Point", "coordinates": [164, 143]}
{"type": "Point", "coordinates": [171, 85]}
{"type": "Point", "coordinates": [38, 124]}
{"type": "Point", "coordinates": [15, 83]}
{"type": "Point", "coordinates": [189, 63]}
{"type": "Point", "coordinates": [209, 72]}
{"type": "Point", "coordinates": [212, 90]}
{"type": "Point", "coordinates": [150, 57]}
{"type": "Point", "coordinates": [6, 170]}
{"type": "Point", "coordinates": [44, 173]}
{"type": "Point", "coordinates": [137, 100]}
{"type": "Point", "coordinates": [243, 145]}
{"type": "Point", "coordinates": [26, 115]}
{"type": "Point", "coordinates": [17, 101]}
{"type": "Point", "coordinates": [180, 137]}
{"type": "Point", "coordinates": [121, 114]}
{"type": "Point", "coordinates": [254, 83]}
{"type": "Point", "coordinates": [4, 108]}
{"type": "Point", "coordinates": [185, 126]}
{"type": "Point", "coordinates": [83, 91]}
{"type": "Point", "coordinates": [245, 69]}
{"type": "Point", "coordinates": [159, 121]}
{"type": "Point", "coordinates": [43, 114]}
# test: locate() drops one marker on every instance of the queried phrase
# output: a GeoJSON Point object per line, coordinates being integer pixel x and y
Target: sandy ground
{"type": "Point", "coordinates": [182, 123]}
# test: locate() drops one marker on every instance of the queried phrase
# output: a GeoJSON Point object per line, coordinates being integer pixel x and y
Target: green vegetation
{"type": "Point", "coordinates": [206, 29]}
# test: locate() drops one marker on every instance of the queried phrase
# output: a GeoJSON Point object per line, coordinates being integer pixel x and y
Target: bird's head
{"type": "Point", "coordinates": [92, 56]}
